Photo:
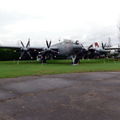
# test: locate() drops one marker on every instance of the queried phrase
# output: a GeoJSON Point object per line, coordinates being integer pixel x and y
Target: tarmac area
{"type": "Point", "coordinates": [76, 96]}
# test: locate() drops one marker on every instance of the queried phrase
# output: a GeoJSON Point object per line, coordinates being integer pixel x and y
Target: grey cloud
{"type": "Point", "coordinates": [8, 18]}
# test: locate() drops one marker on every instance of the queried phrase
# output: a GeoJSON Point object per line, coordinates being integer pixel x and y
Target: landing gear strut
{"type": "Point", "coordinates": [75, 59]}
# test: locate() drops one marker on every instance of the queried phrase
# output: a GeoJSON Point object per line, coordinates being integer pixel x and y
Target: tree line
{"type": "Point", "coordinates": [8, 54]}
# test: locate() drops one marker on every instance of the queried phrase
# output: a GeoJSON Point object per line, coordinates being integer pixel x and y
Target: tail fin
{"type": "Point", "coordinates": [96, 44]}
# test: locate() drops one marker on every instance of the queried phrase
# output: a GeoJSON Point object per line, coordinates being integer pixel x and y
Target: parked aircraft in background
{"type": "Point", "coordinates": [97, 50]}
{"type": "Point", "coordinates": [67, 48]}
{"type": "Point", "coordinates": [114, 50]}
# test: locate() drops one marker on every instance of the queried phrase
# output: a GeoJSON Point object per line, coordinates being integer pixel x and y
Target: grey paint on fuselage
{"type": "Point", "coordinates": [66, 48]}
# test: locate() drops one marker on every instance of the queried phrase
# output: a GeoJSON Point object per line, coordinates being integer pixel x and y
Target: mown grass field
{"type": "Point", "coordinates": [26, 68]}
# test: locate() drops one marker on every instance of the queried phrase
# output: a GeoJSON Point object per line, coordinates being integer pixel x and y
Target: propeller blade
{"type": "Point", "coordinates": [41, 52]}
{"type": "Point", "coordinates": [53, 51]}
{"type": "Point", "coordinates": [47, 44]}
{"type": "Point", "coordinates": [28, 43]}
{"type": "Point", "coordinates": [90, 46]}
{"type": "Point", "coordinates": [21, 55]}
{"type": "Point", "coordinates": [103, 45]}
{"type": "Point", "coordinates": [29, 54]}
{"type": "Point", "coordinates": [22, 44]}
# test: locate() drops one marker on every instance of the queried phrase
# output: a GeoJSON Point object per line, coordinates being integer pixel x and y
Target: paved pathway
{"type": "Point", "coordinates": [79, 96]}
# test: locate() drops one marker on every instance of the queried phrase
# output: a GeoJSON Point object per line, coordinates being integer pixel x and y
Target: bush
{"type": "Point", "coordinates": [8, 54]}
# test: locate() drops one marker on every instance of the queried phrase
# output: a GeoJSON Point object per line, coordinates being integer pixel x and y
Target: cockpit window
{"type": "Point", "coordinates": [77, 42]}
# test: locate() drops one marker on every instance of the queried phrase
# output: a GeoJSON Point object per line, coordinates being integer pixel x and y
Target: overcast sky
{"type": "Point", "coordinates": [85, 20]}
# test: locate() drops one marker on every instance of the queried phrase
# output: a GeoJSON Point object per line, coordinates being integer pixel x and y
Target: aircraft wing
{"type": "Point", "coordinates": [35, 51]}
{"type": "Point", "coordinates": [113, 48]}
{"type": "Point", "coordinates": [10, 47]}
{"type": "Point", "coordinates": [19, 47]}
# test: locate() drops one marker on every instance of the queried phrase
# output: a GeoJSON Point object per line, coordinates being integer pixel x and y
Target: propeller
{"type": "Point", "coordinates": [103, 45]}
{"type": "Point", "coordinates": [25, 49]}
{"type": "Point", "coordinates": [48, 52]}
{"type": "Point", "coordinates": [48, 49]}
{"type": "Point", "coordinates": [90, 46]}
{"type": "Point", "coordinates": [91, 52]}
{"type": "Point", "coordinates": [48, 44]}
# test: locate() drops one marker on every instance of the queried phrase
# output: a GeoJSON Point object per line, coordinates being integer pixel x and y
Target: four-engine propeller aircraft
{"type": "Point", "coordinates": [67, 48]}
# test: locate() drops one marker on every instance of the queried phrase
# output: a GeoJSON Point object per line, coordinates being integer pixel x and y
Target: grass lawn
{"type": "Point", "coordinates": [25, 68]}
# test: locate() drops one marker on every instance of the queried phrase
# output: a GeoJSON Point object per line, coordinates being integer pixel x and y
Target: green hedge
{"type": "Point", "coordinates": [8, 54]}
